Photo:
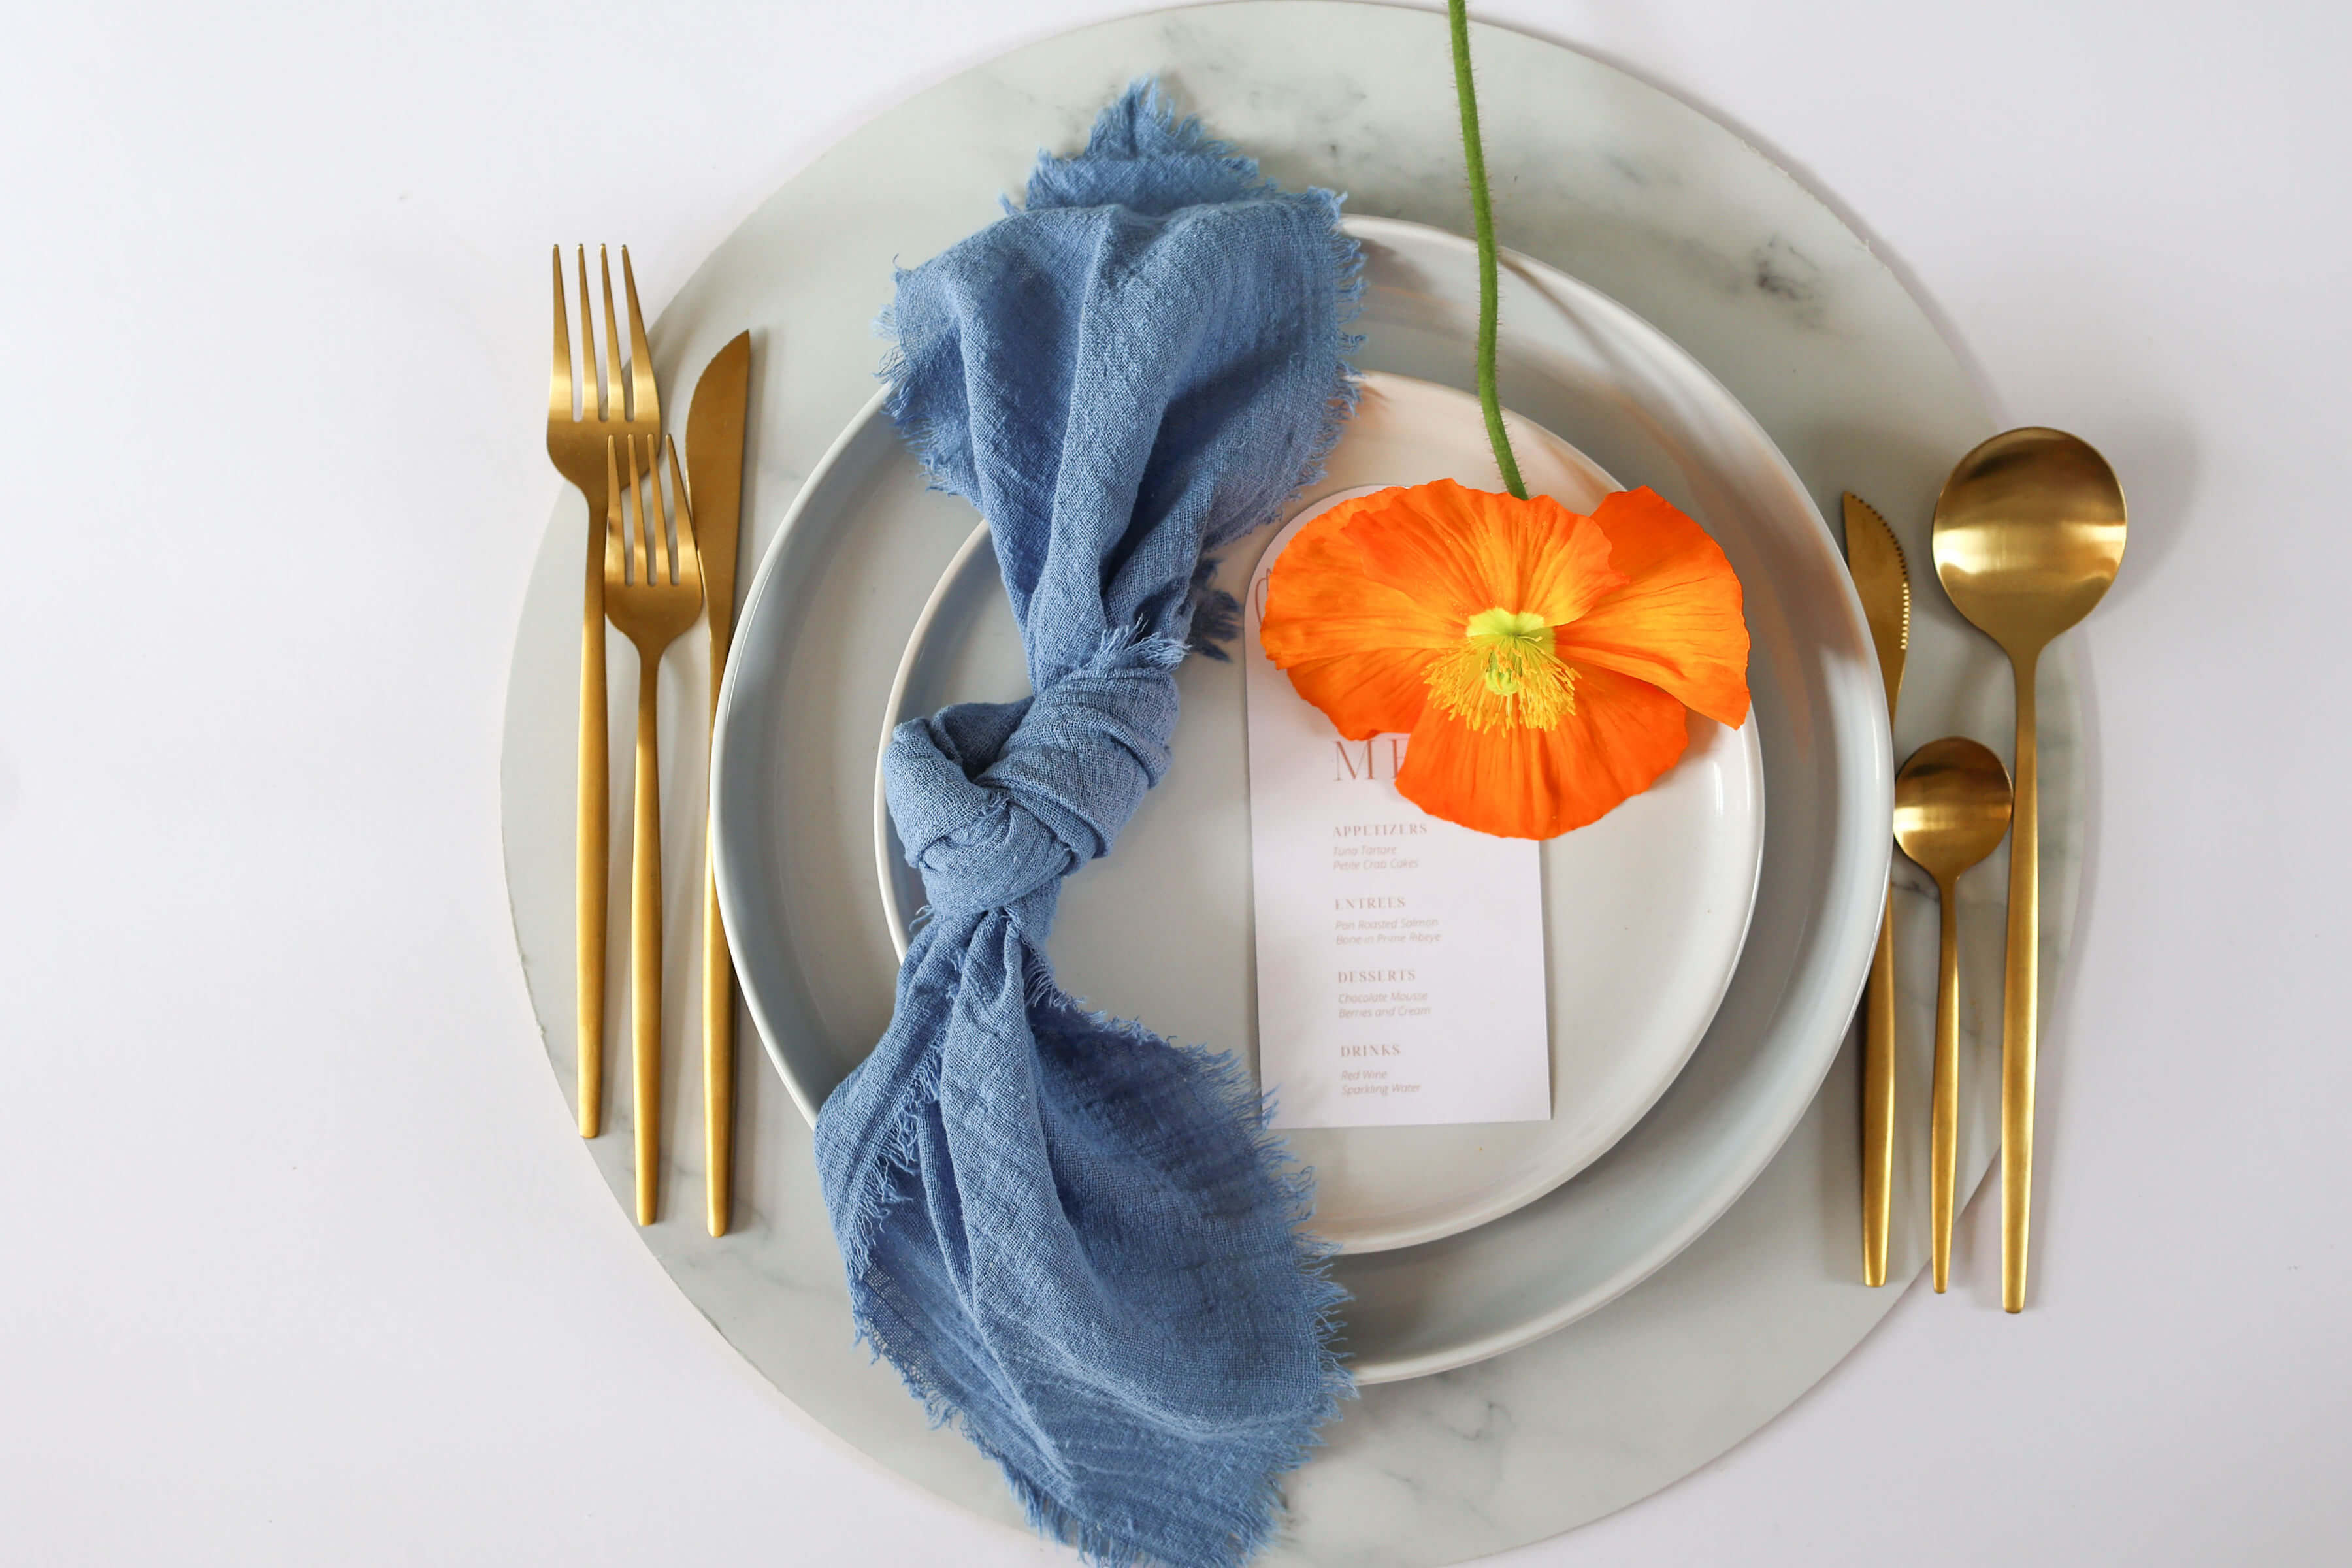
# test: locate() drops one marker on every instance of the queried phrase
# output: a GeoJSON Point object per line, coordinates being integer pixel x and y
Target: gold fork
{"type": "Point", "coordinates": [653, 590]}
{"type": "Point", "coordinates": [577, 444]}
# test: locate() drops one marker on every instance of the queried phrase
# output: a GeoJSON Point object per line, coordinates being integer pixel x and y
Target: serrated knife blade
{"type": "Point", "coordinates": [1884, 580]}
{"type": "Point", "coordinates": [714, 478]}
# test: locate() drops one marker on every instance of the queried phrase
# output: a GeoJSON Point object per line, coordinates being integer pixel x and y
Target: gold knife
{"type": "Point", "coordinates": [714, 479]}
{"type": "Point", "coordinates": [1875, 560]}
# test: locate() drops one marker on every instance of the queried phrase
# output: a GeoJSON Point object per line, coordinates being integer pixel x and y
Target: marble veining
{"type": "Point", "coordinates": [1613, 181]}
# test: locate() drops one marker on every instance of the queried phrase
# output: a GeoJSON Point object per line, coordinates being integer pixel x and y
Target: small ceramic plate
{"type": "Point", "coordinates": [1644, 910]}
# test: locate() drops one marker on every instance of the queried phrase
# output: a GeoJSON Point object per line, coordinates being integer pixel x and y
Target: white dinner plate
{"type": "Point", "coordinates": [792, 773]}
{"type": "Point", "coordinates": [1644, 910]}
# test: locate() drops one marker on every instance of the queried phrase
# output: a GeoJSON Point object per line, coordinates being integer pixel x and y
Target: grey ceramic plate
{"type": "Point", "coordinates": [789, 759]}
{"type": "Point", "coordinates": [1643, 911]}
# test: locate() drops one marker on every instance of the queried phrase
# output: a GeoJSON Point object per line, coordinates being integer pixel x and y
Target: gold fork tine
{"type": "Point", "coordinates": [665, 553]}
{"type": "Point", "coordinates": [653, 531]}
{"type": "Point", "coordinates": [614, 542]}
{"type": "Point", "coordinates": [644, 403]}
{"type": "Point", "coordinates": [559, 380]}
{"type": "Point", "coordinates": [639, 572]}
{"type": "Point", "coordinates": [684, 556]}
{"type": "Point", "coordinates": [616, 407]}
{"type": "Point", "coordinates": [592, 380]}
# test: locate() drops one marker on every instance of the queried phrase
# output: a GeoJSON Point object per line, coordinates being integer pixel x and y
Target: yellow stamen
{"type": "Point", "coordinates": [1504, 673]}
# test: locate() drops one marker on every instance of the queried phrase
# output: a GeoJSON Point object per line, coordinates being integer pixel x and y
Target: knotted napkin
{"type": "Point", "coordinates": [1075, 1240]}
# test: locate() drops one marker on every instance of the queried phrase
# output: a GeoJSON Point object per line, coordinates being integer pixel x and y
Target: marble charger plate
{"type": "Point", "coordinates": [1618, 185]}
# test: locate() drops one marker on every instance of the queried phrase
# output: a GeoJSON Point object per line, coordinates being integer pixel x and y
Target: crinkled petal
{"type": "Point", "coordinates": [1319, 603]}
{"type": "Point", "coordinates": [1376, 692]}
{"type": "Point", "coordinates": [1358, 650]}
{"type": "Point", "coordinates": [1463, 552]}
{"type": "Point", "coordinates": [1676, 623]}
{"type": "Point", "coordinates": [1519, 783]}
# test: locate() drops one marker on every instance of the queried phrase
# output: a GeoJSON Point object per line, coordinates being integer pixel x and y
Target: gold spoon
{"type": "Point", "coordinates": [2029, 532]}
{"type": "Point", "coordinates": [1952, 808]}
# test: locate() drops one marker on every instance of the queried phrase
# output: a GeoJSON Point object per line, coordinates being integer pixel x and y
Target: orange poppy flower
{"type": "Point", "coordinates": [1540, 660]}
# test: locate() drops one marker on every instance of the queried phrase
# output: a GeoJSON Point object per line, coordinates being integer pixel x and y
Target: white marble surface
{"type": "Point", "coordinates": [1612, 180]}
{"type": "Point", "coordinates": [306, 1266]}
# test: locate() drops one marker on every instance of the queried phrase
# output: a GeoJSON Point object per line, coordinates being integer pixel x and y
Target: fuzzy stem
{"type": "Point", "coordinates": [1482, 214]}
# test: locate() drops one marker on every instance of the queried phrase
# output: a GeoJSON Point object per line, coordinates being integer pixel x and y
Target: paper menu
{"type": "Point", "coordinates": [1401, 970]}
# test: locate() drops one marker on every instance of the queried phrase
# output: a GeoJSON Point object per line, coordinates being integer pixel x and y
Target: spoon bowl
{"type": "Point", "coordinates": [1951, 806]}
{"type": "Point", "coordinates": [2028, 535]}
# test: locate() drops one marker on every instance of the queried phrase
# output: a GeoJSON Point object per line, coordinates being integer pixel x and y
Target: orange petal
{"type": "Point", "coordinates": [1461, 551]}
{"type": "Point", "coordinates": [1676, 622]}
{"type": "Point", "coordinates": [1377, 692]}
{"type": "Point", "coordinates": [1539, 784]}
{"type": "Point", "coordinates": [1319, 604]}
{"type": "Point", "coordinates": [1358, 650]}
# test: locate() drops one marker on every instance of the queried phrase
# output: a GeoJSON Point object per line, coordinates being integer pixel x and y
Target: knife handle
{"type": "Point", "coordinates": [717, 1009]}
{"type": "Point", "coordinates": [593, 848]}
{"type": "Point", "coordinates": [1878, 1099]}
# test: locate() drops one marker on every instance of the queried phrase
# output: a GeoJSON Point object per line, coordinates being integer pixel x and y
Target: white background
{"type": "Point", "coordinates": [299, 1260]}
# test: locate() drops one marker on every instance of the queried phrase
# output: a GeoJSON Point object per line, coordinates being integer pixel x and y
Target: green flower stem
{"type": "Point", "coordinates": [1482, 215]}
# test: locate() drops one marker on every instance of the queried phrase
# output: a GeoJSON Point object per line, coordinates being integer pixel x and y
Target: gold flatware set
{"type": "Point", "coordinates": [2029, 532]}
{"type": "Point", "coordinates": [660, 556]}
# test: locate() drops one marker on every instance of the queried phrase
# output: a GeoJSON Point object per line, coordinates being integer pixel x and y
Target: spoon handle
{"type": "Point", "coordinates": [1944, 1137]}
{"type": "Point", "coordinates": [2020, 996]}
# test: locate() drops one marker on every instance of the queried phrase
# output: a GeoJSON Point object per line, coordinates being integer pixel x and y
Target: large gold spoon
{"type": "Point", "coordinates": [1952, 808]}
{"type": "Point", "coordinates": [2029, 532]}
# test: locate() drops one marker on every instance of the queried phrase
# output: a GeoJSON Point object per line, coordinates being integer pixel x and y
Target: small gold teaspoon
{"type": "Point", "coordinates": [1952, 808]}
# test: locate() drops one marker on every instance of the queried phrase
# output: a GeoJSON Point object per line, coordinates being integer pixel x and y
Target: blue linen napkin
{"type": "Point", "coordinates": [1075, 1240]}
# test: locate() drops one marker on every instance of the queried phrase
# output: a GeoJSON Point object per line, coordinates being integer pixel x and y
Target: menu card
{"type": "Point", "coordinates": [1401, 966]}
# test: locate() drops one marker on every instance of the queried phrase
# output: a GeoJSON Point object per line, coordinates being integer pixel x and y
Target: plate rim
{"type": "Point", "coordinates": [724, 878]}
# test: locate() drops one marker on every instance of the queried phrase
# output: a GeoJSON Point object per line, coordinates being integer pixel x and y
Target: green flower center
{"type": "Point", "coordinates": [1505, 673]}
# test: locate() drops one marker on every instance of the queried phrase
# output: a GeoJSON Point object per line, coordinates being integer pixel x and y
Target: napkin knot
{"type": "Point", "coordinates": [997, 802]}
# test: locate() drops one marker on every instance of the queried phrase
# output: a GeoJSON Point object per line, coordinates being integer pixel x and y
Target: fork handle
{"type": "Point", "coordinates": [645, 940]}
{"type": "Point", "coordinates": [594, 840]}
